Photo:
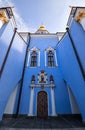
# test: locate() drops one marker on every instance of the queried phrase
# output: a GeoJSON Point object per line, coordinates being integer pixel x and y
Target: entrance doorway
{"type": "Point", "coordinates": [42, 104]}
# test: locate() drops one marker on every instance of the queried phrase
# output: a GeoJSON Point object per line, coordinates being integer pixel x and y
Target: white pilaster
{"type": "Point", "coordinates": [28, 59]}
{"type": "Point", "coordinates": [31, 102]}
{"type": "Point", "coordinates": [56, 59]}
{"type": "Point", "coordinates": [53, 102]}
{"type": "Point", "coordinates": [45, 58]}
{"type": "Point", "coordinates": [39, 59]}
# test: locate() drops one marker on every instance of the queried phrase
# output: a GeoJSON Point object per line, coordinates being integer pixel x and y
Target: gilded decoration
{"type": "Point", "coordinates": [80, 16]}
{"type": "Point", "coordinates": [3, 17]}
{"type": "Point", "coordinates": [42, 27]}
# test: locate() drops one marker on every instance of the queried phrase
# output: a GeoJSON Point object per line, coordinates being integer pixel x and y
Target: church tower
{"type": "Point", "coordinates": [42, 76]}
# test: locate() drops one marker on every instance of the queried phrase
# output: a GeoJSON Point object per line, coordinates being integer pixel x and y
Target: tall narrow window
{"type": "Point", "coordinates": [50, 59]}
{"type": "Point", "coordinates": [33, 59]}
{"type": "Point", "coordinates": [33, 79]}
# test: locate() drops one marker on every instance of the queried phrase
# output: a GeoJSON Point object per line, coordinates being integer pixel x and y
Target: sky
{"type": "Point", "coordinates": [30, 14]}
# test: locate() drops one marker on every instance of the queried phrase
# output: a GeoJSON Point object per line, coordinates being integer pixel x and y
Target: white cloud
{"type": "Point", "coordinates": [21, 25]}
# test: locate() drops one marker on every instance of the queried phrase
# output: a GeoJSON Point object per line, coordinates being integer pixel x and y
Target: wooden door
{"type": "Point", "coordinates": [42, 104]}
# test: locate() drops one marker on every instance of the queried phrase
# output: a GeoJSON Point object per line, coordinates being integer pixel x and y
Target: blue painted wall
{"type": "Point", "coordinates": [61, 93]}
{"type": "Point", "coordinates": [78, 36]}
{"type": "Point", "coordinates": [69, 64]}
{"type": "Point", "coordinates": [5, 40]}
{"type": "Point", "coordinates": [12, 71]}
{"type": "Point", "coordinates": [67, 73]}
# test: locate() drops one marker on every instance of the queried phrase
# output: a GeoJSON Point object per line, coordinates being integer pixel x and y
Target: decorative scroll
{"type": "Point", "coordinates": [3, 17]}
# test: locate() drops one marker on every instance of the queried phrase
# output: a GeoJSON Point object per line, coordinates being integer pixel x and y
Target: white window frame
{"type": "Point", "coordinates": [55, 57]}
{"type": "Point", "coordinates": [29, 57]}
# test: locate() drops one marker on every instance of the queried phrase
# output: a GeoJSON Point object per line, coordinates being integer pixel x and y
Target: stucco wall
{"type": "Point", "coordinates": [70, 67]}
{"type": "Point", "coordinates": [12, 71]}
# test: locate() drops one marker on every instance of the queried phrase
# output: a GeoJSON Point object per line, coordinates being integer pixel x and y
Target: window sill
{"type": "Point", "coordinates": [51, 66]}
{"type": "Point", "coordinates": [32, 67]}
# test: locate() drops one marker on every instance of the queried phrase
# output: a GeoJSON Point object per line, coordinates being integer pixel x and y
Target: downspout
{"type": "Point", "coordinates": [76, 53]}
{"type": "Point", "coordinates": [5, 59]}
{"type": "Point", "coordinates": [22, 80]}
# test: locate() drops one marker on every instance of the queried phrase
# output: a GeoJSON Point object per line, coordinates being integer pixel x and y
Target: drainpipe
{"type": "Point", "coordinates": [76, 53]}
{"type": "Point", "coordinates": [23, 73]}
{"type": "Point", "coordinates": [5, 59]}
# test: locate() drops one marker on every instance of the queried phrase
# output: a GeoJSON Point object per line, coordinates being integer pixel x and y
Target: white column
{"type": "Point", "coordinates": [39, 58]}
{"type": "Point", "coordinates": [31, 102]}
{"type": "Point", "coordinates": [45, 57]}
{"type": "Point", "coordinates": [28, 59]}
{"type": "Point", "coordinates": [53, 102]}
{"type": "Point", "coordinates": [56, 59]}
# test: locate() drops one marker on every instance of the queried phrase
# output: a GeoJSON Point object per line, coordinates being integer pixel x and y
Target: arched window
{"type": "Point", "coordinates": [33, 58]}
{"type": "Point", "coordinates": [33, 62]}
{"type": "Point", "coordinates": [50, 59]}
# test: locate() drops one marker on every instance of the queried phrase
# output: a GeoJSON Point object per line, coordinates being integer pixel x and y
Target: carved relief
{"type": "Point", "coordinates": [80, 16]}
{"type": "Point", "coordinates": [42, 77]}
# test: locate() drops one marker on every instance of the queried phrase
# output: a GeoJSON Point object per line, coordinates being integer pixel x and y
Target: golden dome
{"type": "Point", "coordinates": [42, 30]}
{"type": "Point", "coordinates": [42, 27]}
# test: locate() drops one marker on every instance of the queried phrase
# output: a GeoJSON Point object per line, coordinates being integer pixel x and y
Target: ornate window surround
{"type": "Point", "coordinates": [29, 57]}
{"type": "Point", "coordinates": [46, 58]}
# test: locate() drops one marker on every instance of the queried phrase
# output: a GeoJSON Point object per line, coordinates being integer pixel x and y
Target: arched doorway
{"type": "Point", "coordinates": [42, 104]}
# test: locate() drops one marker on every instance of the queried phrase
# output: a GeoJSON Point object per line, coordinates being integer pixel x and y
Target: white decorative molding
{"type": "Point", "coordinates": [40, 84]}
{"type": "Point", "coordinates": [55, 57]}
{"type": "Point", "coordinates": [29, 56]}
{"type": "Point", "coordinates": [45, 57]}
{"type": "Point", "coordinates": [50, 49]}
{"type": "Point", "coordinates": [56, 61]}
{"type": "Point", "coordinates": [39, 58]}
{"type": "Point", "coordinates": [34, 49]}
{"type": "Point", "coordinates": [40, 75]}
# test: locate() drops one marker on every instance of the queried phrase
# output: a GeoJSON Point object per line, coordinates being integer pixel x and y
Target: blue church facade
{"type": "Point", "coordinates": [42, 74]}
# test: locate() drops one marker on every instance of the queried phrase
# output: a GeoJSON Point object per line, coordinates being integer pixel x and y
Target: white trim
{"type": "Point", "coordinates": [31, 102]}
{"type": "Point", "coordinates": [28, 58]}
{"type": "Point", "coordinates": [38, 58]}
{"type": "Point", "coordinates": [50, 49]}
{"type": "Point", "coordinates": [45, 85]}
{"type": "Point", "coordinates": [34, 49]}
{"type": "Point", "coordinates": [55, 57]}
{"type": "Point", "coordinates": [39, 78]}
{"type": "Point", "coordinates": [56, 61]}
{"type": "Point", "coordinates": [45, 58]}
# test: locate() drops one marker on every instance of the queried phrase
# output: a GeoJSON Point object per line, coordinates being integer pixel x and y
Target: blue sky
{"type": "Point", "coordinates": [30, 14]}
